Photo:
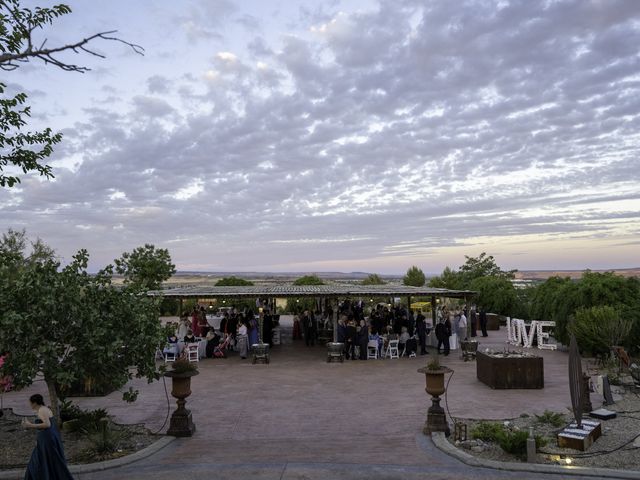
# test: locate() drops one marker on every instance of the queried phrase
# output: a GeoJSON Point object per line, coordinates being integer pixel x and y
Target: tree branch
{"type": "Point", "coordinates": [8, 61]}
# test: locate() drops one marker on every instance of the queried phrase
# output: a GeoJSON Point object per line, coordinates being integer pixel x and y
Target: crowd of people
{"type": "Point", "coordinates": [358, 327]}
{"type": "Point", "coordinates": [238, 331]}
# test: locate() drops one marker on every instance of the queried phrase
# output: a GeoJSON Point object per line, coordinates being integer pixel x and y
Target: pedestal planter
{"type": "Point", "coordinates": [436, 418]}
{"type": "Point", "coordinates": [469, 349]}
{"type": "Point", "coordinates": [181, 424]}
{"type": "Point", "coordinates": [335, 351]}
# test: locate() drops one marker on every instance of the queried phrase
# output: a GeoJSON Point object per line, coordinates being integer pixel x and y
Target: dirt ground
{"type": "Point", "coordinates": [17, 443]}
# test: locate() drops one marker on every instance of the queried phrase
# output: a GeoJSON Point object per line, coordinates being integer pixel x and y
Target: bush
{"type": "Point", "coordinates": [597, 329]}
{"type": "Point", "coordinates": [552, 418]}
{"type": "Point", "coordinates": [487, 431]}
{"type": "Point", "coordinates": [513, 442]}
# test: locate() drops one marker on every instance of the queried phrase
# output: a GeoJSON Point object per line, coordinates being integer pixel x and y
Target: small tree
{"type": "Point", "coordinates": [482, 266]}
{"type": "Point", "coordinates": [233, 282]}
{"type": "Point", "coordinates": [69, 326]}
{"type": "Point", "coordinates": [308, 280]}
{"type": "Point", "coordinates": [449, 278]}
{"type": "Point", "coordinates": [414, 277]}
{"type": "Point", "coordinates": [145, 268]}
{"type": "Point", "coordinates": [373, 279]}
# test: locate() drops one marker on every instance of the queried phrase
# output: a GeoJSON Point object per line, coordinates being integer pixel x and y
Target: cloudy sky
{"type": "Point", "coordinates": [349, 135]}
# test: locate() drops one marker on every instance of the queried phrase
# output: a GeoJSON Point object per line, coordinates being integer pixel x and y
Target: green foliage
{"type": "Point", "coordinates": [299, 305]}
{"type": "Point", "coordinates": [511, 441]}
{"type": "Point", "coordinates": [145, 268]}
{"type": "Point", "coordinates": [449, 278]}
{"type": "Point", "coordinates": [414, 277]}
{"type": "Point", "coordinates": [169, 306]}
{"type": "Point", "coordinates": [495, 294]}
{"type": "Point", "coordinates": [487, 431]}
{"type": "Point", "coordinates": [233, 282]}
{"type": "Point", "coordinates": [482, 266]}
{"type": "Point", "coordinates": [68, 326]}
{"type": "Point", "coordinates": [558, 299]}
{"type": "Point", "coordinates": [597, 329]}
{"type": "Point", "coordinates": [105, 441]}
{"type": "Point", "coordinates": [552, 418]}
{"type": "Point", "coordinates": [182, 365]}
{"type": "Point", "coordinates": [373, 279]}
{"type": "Point", "coordinates": [26, 151]}
{"type": "Point", "coordinates": [309, 280]}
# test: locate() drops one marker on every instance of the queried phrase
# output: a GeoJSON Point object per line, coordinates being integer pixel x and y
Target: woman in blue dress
{"type": "Point", "coordinates": [253, 329]}
{"type": "Point", "coordinates": [47, 460]}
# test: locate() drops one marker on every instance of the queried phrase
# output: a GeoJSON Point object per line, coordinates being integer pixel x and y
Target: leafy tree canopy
{"type": "Point", "coordinates": [309, 280]}
{"type": "Point", "coordinates": [69, 326]}
{"type": "Point", "coordinates": [233, 282]}
{"type": "Point", "coordinates": [373, 279]}
{"type": "Point", "coordinates": [145, 268]}
{"type": "Point", "coordinates": [482, 266]}
{"type": "Point", "coordinates": [449, 278]}
{"type": "Point", "coordinates": [414, 277]}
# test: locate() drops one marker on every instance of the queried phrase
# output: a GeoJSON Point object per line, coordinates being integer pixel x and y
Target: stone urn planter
{"type": "Point", "coordinates": [469, 349]}
{"type": "Point", "coordinates": [181, 424]}
{"type": "Point", "coordinates": [435, 386]}
{"type": "Point", "coordinates": [335, 351]}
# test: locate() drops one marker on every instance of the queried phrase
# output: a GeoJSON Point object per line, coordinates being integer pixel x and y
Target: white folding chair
{"type": "Point", "coordinates": [372, 349]}
{"type": "Point", "coordinates": [392, 349]}
{"type": "Point", "coordinates": [192, 352]}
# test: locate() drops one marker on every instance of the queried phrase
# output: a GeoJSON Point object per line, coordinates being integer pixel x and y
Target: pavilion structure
{"type": "Point", "coordinates": [331, 294]}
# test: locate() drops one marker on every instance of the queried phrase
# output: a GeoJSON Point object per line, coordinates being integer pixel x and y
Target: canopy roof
{"type": "Point", "coordinates": [290, 290]}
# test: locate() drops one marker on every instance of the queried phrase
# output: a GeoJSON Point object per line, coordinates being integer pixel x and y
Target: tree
{"type": "Point", "coordinates": [373, 279]}
{"type": "Point", "coordinates": [495, 294]}
{"type": "Point", "coordinates": [482, 266]}
{"type": "Point", "coordinates": [414, 277]}
{"type": "Point", "coordinates": [145, 268]}
{"type": "Point", "coordinates": [69, 326]}
{"type": "Point", "coordinates": [308, 280]}
{"type": "Point", "coordinates": [450, 279]}
{"type": "Point", "coordinates": [28, 151]}
{"type": "Point", "coordinates": [233, 282]}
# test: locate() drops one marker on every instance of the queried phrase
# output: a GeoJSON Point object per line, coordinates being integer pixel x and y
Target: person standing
{"type": "Point", "coordinates": [351, 340]}
{"type": "Point", "coordinates": [443, 332]}
{"type": "Point", "coordinates": [462, 327]}
{"type": "Point", "coordinates": [47, 460]}
{"type": "Point", "coordinates": [483, 322]}
{"type": "Point", "coordinates": [363, 339]}
{"type": "Point", "coordinates": [421, 329]}
{"type": "Point", "coordinates": [253, 328]}
{"type": "Point", "coordinates": [308, 326]}
{"type": "Point", "coordinates": [474, 321]}
{"type": "Point", "coordinates": [242, 339]}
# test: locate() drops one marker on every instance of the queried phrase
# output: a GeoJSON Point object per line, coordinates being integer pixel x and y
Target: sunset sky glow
{"type": "Point", "coordinates": [305, 135]}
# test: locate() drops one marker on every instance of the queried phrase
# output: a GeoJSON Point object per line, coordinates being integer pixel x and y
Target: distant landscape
{"type": "Point", "coordinates": [210, 278]}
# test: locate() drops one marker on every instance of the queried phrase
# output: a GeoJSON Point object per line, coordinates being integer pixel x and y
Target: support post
{"type": "Point", "coordinates": [434, 319]}
{"type": "Point", "coordinates": [335, 320]}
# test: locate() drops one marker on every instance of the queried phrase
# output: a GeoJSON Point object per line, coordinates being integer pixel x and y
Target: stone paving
{"type": "Point", "coordinates": [299, 417]}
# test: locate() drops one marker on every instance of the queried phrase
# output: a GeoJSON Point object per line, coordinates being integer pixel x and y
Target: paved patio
{"type": "Point", "coordinates": [300, 417]}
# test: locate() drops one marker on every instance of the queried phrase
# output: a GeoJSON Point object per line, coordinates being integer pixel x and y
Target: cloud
{"type": "Point", "coordinates": [379, 136]}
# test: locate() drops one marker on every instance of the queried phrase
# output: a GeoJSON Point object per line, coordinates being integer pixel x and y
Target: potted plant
{"type": "Point", "coordinates": [181, 421]}
{"type": "Point", "coordinates": [434, 374]}
{"type": "Point", "coordinates": [469, 349]}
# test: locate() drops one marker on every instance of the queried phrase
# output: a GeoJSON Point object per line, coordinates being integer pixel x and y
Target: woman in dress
{"type": "Point", "coordinates": [242, 339]}
{"type": "Point", "coordinates": [47, 460]}
{"type": "Point", "coordinates": [253, 328]}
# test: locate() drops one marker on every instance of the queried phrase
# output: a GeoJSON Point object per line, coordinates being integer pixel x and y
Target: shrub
{"type": "Point", "coordinates": [487, 431]}
{"type": "Point", "coordinates": [513, 442]}
{"type": "Point", "coordinates": [598, 328]}
{"type": "Point", "coordinates": [552, 418]}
